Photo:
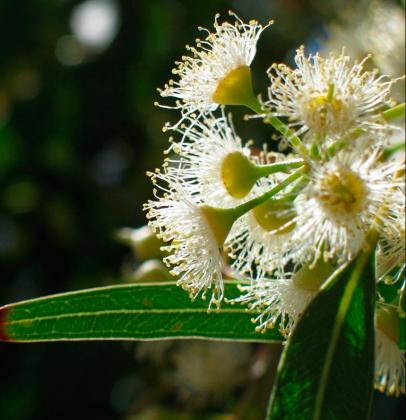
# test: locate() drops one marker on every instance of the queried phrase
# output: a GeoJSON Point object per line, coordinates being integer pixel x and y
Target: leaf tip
{"type": "Point", "coordinates": [4, 311]}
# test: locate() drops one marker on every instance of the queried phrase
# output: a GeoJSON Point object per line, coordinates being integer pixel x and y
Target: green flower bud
{"type": "Point", "coordinates": [312, 277]}
{"type": "Point", "coordinates": [143, 241]}
{"type": "Point", "coordinates": [387, 320]}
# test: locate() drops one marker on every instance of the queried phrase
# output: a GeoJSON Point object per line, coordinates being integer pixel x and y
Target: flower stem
{"type": "Point", "coordinates": [391, 150]}
{"type": "Point", "coordinates": [276, 123]}
{"type": "Point", "coordinates": [265, 170]}
{"type": "Point", "coordinates": [249, 205]}
{"type": "Point", "coordinates": [395, 112]}
{"type": "Point", "coordinates": [293, 139]}
{"type": "Point", "coordinates": [341, 143]}
{"type": "Point", "coordinates": [254, 105]}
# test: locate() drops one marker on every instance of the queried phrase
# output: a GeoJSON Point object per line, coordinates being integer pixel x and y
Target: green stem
{"type": "Point", "coordinates": [389, 151]}
{"type": "Point", "coordinates": [314, 152]}
{"type": "Point", "coordinates": [296, 190]}
{"type": "Point", "coordinates": [395, 112]}
{"type": "Point", "coordinates": [402, 298]}
{"type": "Point", "coordinates": [265, 170]}
{"type": "Point", "coordinates": [249, 205]}
{"type": "Point", "coordinates": [254, 104]}
{"type": "Point", "coordinates": [340, 143]}
{"type": "Point", "coordinates": [335, 147]}
{"type": "Point", "coordinates": [293, 139]}
{"type": "Point", "coordinates": [330, 93]}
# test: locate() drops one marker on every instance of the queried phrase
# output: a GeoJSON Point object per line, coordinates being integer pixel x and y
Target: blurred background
{"type": "Point", "coordinates": [78, 130]}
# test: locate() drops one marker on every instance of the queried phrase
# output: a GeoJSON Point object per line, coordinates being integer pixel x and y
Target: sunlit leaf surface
{"type": "Point", "coordinates": [128, 313]}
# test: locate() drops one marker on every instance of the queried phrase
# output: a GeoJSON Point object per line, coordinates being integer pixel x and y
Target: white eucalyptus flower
{"type": "Point", "coordinates": [389, 359]}
{"type": "Point", "coordinates": [206, 370]}
{"type": "Point", "coordinates": [377, 28]}
{"type": "Point", "coordinates": [277, 301]}
{"type": "Point", "coordinates": [328, 96]}
{"type": "Point", "coordinates": [209, 149]}
{"type": "Point", "coordinates": [194, 256]}
{"type": "Point", "coordinates": [217, 71]}
{"type": "Point", "coordinates": [391, 251]}
{"type": "Point", "coordinates": [345, 197]}
{"type": "Point", "coordinates": [389, 365]}
{"type": "Point", "coordinates": [281, 300]}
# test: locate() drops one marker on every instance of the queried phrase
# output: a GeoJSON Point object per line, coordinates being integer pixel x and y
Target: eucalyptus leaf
{"type": "Point", "coordinates": [131, 312]}
{"type": "Point", "coordinates": [326, 370]}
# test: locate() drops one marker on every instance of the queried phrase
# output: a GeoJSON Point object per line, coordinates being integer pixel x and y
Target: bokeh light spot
{"type": "Point", "coordinates": [95, 23]}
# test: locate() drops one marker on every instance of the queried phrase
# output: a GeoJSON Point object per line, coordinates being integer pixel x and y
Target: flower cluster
{"type": "Point", "coordinates": [286, 222]}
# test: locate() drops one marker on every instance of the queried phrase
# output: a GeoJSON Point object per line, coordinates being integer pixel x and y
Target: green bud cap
{"type": "Point", "coordinates": [220, 221]}
{"type": "Point", "coordinates": [312, 278]}
{"type": "Point", "coordinates": [239, 174]}
{"type": "Point", "coordinates": [387, 320]}
{"type": "Point", "coordinates": [143, 242]}
{"type": "Point", "coordinates": [150, 271]}
{"type": "Point", "coordinates": [272, 215]}
{"type": "Point", "coordinates": [235, 88]}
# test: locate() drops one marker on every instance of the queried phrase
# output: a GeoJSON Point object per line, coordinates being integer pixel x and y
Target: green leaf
{"type": "Point", "coordinates": [326, 370]}
{"type": "Point", "coordinates": [131, 312]}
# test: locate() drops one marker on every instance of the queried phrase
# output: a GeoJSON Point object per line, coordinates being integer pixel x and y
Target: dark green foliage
{"type": "Point", "coordinates": [326, 372]}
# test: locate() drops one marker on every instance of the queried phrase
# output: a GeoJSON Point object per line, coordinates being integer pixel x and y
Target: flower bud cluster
{"type": "Point", "coordinates": [285, 222]}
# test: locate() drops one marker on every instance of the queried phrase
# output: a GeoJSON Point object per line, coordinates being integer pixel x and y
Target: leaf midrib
{"type": "Point", "coordinates": [339, 321]}
{"type": "Point", "coordinates": [127, 312]}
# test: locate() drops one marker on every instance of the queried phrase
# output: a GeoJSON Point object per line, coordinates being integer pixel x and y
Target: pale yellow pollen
{"type": "Point", "coordinates": [326, 112]}
{"type": "Point", "coordinates": [320, 106]}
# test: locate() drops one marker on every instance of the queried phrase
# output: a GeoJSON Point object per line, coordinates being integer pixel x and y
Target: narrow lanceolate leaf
{"type": "Point", "coordinates": [134, 312]}
{"type": "Point", "coordinates": [326, 371]}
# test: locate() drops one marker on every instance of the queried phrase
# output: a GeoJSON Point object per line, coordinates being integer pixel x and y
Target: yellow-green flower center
{"type": "Point", "coordinates": [238, 174]}
{"type": "Point", "coordinates": [321, 108]}
{"type": "Point", "coordinates": [327, 113]}
{"type": "Point", "coordinates": [322, 104]}
{"type": "Point", "coordinates": [342, 192]}
{"type": "Point", "coordinates": [235, 88]}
